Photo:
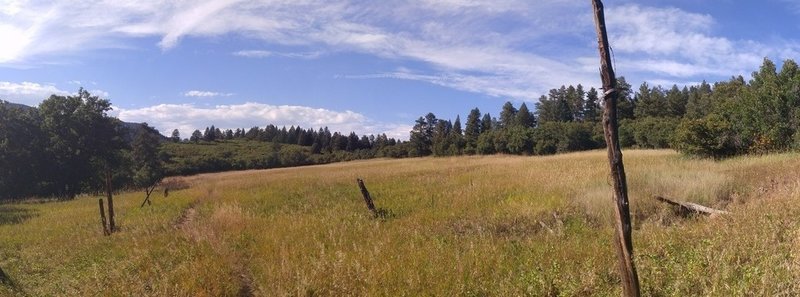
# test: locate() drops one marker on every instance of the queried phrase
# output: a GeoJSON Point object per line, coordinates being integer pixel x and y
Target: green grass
{"type": "Point", "coordinates": [467, 226]}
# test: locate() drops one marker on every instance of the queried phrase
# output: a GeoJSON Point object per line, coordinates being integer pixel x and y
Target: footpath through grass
{"type": "Point", "coordinates": [474, 226]}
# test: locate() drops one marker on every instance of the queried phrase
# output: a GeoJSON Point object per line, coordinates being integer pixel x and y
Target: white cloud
{"type": "Point", "coordinates": [28, 93]}
{"type": "Point", "coordinates": [188, 117]}
{"type": "Point", "coordinates": [31, 94]}
{"type": "Point", "coordinates": [674, 43]}
{"type": "Point", "coordinates": [196, 93]}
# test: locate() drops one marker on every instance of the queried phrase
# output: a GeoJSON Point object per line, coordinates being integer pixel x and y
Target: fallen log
{"type": "Point", "coordinates": [692, 207]}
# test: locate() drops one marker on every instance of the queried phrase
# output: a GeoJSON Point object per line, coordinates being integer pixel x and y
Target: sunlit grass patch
{"type": "Point", "coordinates": [478, 225]}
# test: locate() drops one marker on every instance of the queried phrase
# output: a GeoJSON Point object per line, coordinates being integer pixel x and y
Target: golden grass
{"type": "Point", "coordinates": [470, 226]}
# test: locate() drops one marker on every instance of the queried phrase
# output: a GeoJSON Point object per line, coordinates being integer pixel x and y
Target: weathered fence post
{"type": "Point", "coordinates": [623, 227]}
{"type": "Point", "coordinates": [367, 198]}
{"type": "Point", "coordinates": [111, 225]}
{"type": "Point", "coordinates": [103, 217]}
{"type": "Point", "coordinates": [148, 191]}
{"type": "Point", "coordinates": [4, 279]}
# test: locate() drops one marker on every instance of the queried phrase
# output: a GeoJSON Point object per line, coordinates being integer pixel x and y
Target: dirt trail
{"type": "Point", "coordinates": [187, 217]}
{"type": "Point", "coordinates": [185, 222]}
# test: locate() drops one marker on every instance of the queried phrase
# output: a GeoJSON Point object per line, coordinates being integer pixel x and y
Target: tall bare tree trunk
{"type": "Point", "coordinates": [112, 227]}
{"type": "Point", "coordinates": [623, 226]}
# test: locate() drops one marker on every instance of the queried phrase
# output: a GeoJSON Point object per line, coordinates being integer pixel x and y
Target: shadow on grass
{"type": "Point", "coordinates": [11, 215]}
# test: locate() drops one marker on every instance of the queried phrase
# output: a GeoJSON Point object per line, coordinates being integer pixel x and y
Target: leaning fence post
{"type": "Point", "coordinates": [367, 198]}
{"type": "Point", "coordinates": [623, 226]}
{"type": "Point", "coordinates": [103, 217]}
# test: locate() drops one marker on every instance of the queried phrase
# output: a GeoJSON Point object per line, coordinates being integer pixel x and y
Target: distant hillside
{"type": "Point", "coordinates": [18, 106]}
{"type": "Point", "coordinates": [131, 129]}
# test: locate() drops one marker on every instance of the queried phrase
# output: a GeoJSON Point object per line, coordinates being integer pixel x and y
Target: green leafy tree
{"type": "Point", "coordinates": [176, 136]}
{"type": "Point", "coordinates": [519, 140]}
{"type": "Point", "coordinates": [23, 156]}
{"type": "Point", "coordinates": [711, 136]}
{"type": "Point", "coordinates": [196, 136]}
{"type": "Point", "coordinates": [486, 143]}
{"type": "Point", "coordinates": [86, 141]}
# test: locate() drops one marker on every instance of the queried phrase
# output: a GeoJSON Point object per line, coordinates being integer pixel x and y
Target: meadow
{"type": "Point", "coordinates": [457, 226]}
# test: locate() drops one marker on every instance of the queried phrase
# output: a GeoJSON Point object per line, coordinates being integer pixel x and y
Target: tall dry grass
{"type": "Point", "coordinates": [496, 225]}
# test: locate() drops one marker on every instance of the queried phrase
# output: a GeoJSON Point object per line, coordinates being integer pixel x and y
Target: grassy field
{"type": "Point", "coordinates": [466, 226]}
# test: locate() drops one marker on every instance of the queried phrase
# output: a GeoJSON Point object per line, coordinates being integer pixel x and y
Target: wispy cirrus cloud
{"type": "Point", "coordinates": [673, 44]}
{"type": "Point", "coordinates": [196, 93]}
{"type": "Point", "coordinates": [503, 48]}
{"type": "Point", "coordinates": [266, 54]}
{"type": "Point", "coordinates": [188, 117]}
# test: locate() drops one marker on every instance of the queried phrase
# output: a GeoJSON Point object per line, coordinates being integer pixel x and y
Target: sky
{"type": "Point", "coordinates": [368, 67]}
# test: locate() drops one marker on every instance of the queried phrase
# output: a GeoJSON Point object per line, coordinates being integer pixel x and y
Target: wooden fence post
{"type": "Point", "coordinates": [103, 217]}
{"type": "Point", "coordinates": [367, 198]}
{"type": "Point", "coordinates": [111, 225]}
{"type": "Point", "coordinates": [5, 279]}
{"type": "Point", "coordinates": [148, 191]}
{"type": "Point", "coordinates": [623, 227]}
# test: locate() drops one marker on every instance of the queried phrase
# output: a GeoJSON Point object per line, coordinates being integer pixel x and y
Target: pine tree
{"type": "Point", "coordinates": [508, 115]}
{"type": "Point", "coordinates": [456, 138]}
{"type": "Point", "coordinates": [625, 103]}
{"type": "Point", "coordinates": [592, 111]}
{"type": "Point", "coordinates": [676, 100]}
{"type": "Point", "coordinates": [525, 117]}
{"type": "Point", "coordinates": [650, 102]}
{"type": "Point", "coordinates": [472, 131]}
{"type": "Point", "coordinates": [422, 135]}
{"type": "Point", "coordinates": [441, 138]}
{"type": "Point", "coordinates": [487, 123]}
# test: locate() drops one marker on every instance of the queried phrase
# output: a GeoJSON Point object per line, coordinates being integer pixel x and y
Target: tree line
{"type": "Point", "coordinates": [70, 145]}
{"type": "Point", "coordinates": [725, 119]}
{"type": "Point", "coordinates": [320, 141]}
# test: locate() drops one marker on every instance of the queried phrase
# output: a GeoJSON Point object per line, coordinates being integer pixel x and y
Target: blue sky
{"type": "Point", "coordinates": [365, 66]}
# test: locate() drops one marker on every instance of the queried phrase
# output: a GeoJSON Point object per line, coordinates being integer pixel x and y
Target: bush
{"type": "Point", "coordinates": [652, 132]}
{"type": "Point", "coordinates": [708, 137]}
{"type": "Point", "coordinates": [560, 137]}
